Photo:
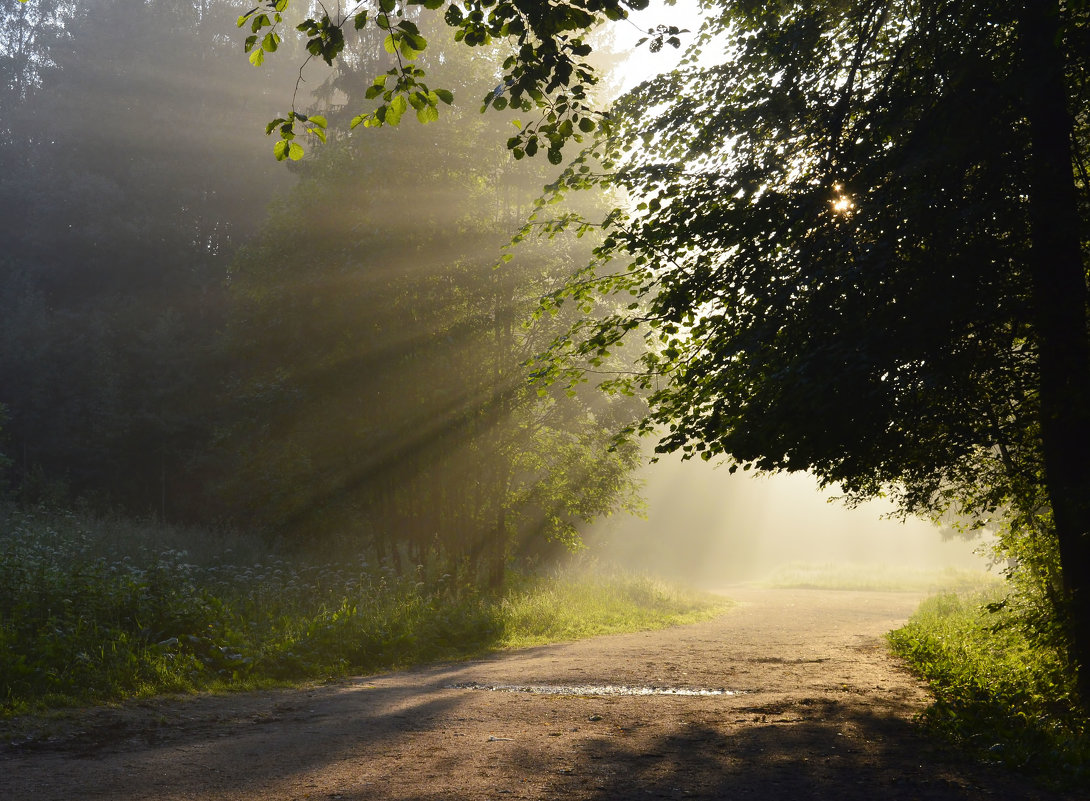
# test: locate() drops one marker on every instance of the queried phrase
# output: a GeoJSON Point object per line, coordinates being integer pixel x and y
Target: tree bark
{"type": "Point", "coordinates": [1060, 300]}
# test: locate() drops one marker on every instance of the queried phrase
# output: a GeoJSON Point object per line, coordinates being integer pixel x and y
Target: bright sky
{"type": "Point", "coordinates": [643, 64]}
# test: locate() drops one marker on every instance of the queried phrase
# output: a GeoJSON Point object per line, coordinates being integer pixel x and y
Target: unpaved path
{"type": "Point", "coordinates": [822, 712]}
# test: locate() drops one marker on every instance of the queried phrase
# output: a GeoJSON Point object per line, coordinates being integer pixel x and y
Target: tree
{"type": "Point", "coordinates": [857, 246]}
{"type": "Point", "coordinates": [860, 249]}
{"type": "Point", "coordinates": [121, 215]}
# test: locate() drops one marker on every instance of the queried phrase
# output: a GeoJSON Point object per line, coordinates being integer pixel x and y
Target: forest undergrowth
{"type": "Point", "coordinates": [96, 610]}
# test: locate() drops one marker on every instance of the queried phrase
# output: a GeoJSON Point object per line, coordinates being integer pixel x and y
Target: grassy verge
{"type": "Point", "coordinates": [997, 694]}
{"type": "Point", "coordinates": [80, 623]}
{"type": "Point", "coordinates": [576, 605]}
{"type": "Point", "coordinates": [889, 578]}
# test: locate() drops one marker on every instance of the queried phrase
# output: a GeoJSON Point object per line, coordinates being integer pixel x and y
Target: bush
{"type": "Point", "coordinates": [999, 691]}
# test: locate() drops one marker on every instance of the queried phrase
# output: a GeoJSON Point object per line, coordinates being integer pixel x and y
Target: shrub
{"type": "Point", "coordinates": [999, 692]}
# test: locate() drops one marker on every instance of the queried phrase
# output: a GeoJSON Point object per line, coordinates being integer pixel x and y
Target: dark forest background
{"type": "Point", "coordinates": [324, 353]}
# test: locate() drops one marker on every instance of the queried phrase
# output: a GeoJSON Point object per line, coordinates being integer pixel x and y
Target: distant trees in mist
{"type": "Point", "coordinates": [342, 369]}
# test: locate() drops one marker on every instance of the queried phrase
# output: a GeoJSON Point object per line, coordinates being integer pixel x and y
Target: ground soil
{"type": "Point", "coordinates": [821, 711]}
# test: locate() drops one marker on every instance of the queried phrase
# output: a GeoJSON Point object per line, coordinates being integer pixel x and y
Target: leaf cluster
{"type": "Point", "coordinates": [546, 72]}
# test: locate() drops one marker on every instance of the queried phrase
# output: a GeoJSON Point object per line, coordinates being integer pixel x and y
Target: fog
{"type": "Point", "coordinates": [710, 527]}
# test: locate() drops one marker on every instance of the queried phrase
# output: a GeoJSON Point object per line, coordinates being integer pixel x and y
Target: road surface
{"type": "Point", "coordinates": [791, 695]}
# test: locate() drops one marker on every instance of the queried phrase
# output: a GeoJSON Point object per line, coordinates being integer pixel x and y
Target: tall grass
{"type": "Point", "coordinates": [94, 610]}
{"type": "Point", "coordinates": [578, 605]}
{"type": "Point", "coordinates": [998, 693]}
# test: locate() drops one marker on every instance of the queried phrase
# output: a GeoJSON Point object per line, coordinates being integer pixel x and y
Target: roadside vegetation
{"type": "Point", "coordinates": [96, 610]}
{"type": "Point", "coordinates": [1001, 692]}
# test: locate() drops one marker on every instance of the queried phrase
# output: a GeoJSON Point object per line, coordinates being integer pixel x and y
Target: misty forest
{"type": "Point", "coordinates": [337, 339]}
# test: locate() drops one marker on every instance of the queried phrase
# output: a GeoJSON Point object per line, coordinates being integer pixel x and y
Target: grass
{"type": "Point", "coordinates": [997, 693]}
{"type": "Point", "coordinates": [94, 610]}
{"type": "Point", "coordinates": [889, 578]}
{"type": "Point", "coordinates": [587, 605]}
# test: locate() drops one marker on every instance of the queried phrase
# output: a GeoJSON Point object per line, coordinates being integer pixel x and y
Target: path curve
{"type": "Point", "coordinates": [821, 711]}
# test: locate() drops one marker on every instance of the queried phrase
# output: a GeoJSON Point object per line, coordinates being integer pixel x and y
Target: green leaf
{"type": "Point", "coordinates": [386, 6]}
{"type": "Point", "coordinates": [319, 120]}
{"type": "Point", "coordinates": [360, 20]}
{"type": "Point", "coordinates": [257, 57]}
{"type": "Point", "coordinates": [295, 151]}
{"type": "Point", "coordinates": [445, 95]}
{"type": "Point", "coordinates": [410, 46]}
{"type": "Point", "coordinates": [427, 114]}
{"type": "Point", "coordinates": [395, 110]}
{"type": "Point", "coordinates": [280, 150]}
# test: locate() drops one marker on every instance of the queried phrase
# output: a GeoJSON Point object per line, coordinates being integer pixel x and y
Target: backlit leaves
{"type": "Point", "coordinates": [546, 72]}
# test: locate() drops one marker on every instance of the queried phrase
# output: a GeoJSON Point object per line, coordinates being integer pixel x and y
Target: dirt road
{"type": "Point", "coordinates": [812, 707]}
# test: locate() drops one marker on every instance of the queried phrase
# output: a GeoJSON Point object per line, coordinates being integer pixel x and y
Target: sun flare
{"type": "Point", "coordinates": [842, 204]}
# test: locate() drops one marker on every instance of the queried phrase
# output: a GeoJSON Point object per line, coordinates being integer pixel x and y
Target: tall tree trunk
{"type": "Point", "coordinates": [1060, 299]}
